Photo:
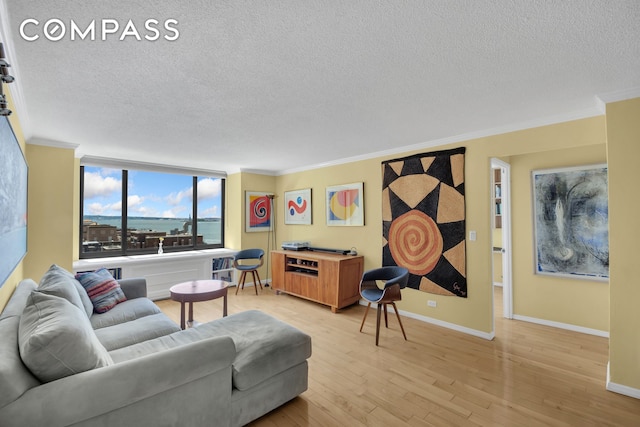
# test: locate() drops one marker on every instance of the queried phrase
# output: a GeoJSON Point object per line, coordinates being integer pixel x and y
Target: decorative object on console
{"type": "Point", "coordinates": [295, 245]}
{"type": "Point", "coordinates": [423, 220]}
{"type": "Point", "coordinates": [13, 202]}
{"type": "Point", "coordinates": [259, 211]}
{"type": "Point", "coordinates": [297, 207]}
{"type": "Point", "coordinates": [345, 204]}
{"type": "Point", "coordinates": [571, 214]}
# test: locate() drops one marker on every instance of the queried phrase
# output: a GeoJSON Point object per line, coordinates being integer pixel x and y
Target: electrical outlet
{"type": "Point", "coordinates": [432, 303]}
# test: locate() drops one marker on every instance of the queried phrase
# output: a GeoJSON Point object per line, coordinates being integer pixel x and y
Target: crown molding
{"type": "Point", "coordinates": [51, 143]}
{"type": "Point", "coordinates": [259, 171]}
{"type": "Point", "coordinates": [619, 95]}
{"type": "Point", "coordinates": [115, 163]}
{"type": "Point", "coordinates": [544, 121]}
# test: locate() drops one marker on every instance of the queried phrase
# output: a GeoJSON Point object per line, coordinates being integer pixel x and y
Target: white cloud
{"type": "Point", "coordinates": [135, 207]}
{"type": "Point", "coordinates": [211, 212]}
{"type": "Point", "coordinates": [176, 212]}
{"type": "Point", "coordinates": [96, 185]}
{"type": "Point", "coordinates": [103, 209]}
{"type": "Point", "coordinates": [208, 188]}
{"type": "Point", "coordinates": [176, 198]}
{"type": "Point", "coordinates": [134, 201]}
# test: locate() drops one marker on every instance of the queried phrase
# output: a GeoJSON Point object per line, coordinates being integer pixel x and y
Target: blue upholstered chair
{"type": "Point", "coordinates": [249, 261]}
{"type": "Point", "coordinates": [394, 279]}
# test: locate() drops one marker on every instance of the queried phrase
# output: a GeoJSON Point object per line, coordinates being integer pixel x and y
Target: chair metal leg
{"type": "Point", "coordinates": [399, 321]}
{"type": "Point", "coordinates": [365, 316]}
{"type": "Point", "coordinates": [378, 323]}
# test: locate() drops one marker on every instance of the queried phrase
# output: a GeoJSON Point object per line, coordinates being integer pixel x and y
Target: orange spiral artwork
{"type": "Point", "coordinates": [415, 242]}
{"type": "Point", "coordinates": [423, 220]}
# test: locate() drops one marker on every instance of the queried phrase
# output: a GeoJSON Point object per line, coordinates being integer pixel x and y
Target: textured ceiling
{"type": "Point", "coordinates": [285, 85]}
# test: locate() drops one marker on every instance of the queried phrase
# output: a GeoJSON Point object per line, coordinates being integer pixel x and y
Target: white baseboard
{"type": "Point", "coordinates": [497, 284]}
{"type": "Point", "coordinates": [560, 325]}
{"type": "Point", "coordinates": [480, 334]}
{"type": "Point", "coordinates": [621, 389]}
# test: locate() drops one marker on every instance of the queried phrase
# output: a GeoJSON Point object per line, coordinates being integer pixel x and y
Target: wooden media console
{"type": "Point", "coordinates": [326, 278]}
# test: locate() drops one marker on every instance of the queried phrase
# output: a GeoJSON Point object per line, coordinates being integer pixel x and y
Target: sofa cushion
{"type": "Point", "coordinates": [18, 299]}
{"type": "Point", "coordinates": [56, 340]}
{"type": "Point", "coordinates": [265, 345]}
{"type": "Point", "coordinates": [141, 329]}
{"type": "Point", "coordinates": [59, 282]}
{"type": "Point", "coordinates": [104, 291]}
{"type": "Point", "coordinates": [15, 378]}
{"type": "Point", "coordinates": [126, 311]}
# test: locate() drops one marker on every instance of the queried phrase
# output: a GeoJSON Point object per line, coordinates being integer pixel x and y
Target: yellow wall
{"type": "Point", "coordinates": [577, 302]}
{"type": "Point", "coordinates": [52, 185]}
{"type": "Point", "coordinates": [18, 273]}
{"type": "Point", "coordinates": [233, 219]}
{"type": "Point", "coordinates": [238, 237]}
{"type": "Point", "coordinates": [53, 223]}
{"type": "Point", "coordinates": [474, 312]}
{"type": "Point", "coordinates": [623, 152]}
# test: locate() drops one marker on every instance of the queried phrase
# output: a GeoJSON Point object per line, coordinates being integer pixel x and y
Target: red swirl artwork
{"type": "Point", "coordinates": [423, 220]}
{"type": "Point", "coordinates": [259, 212]}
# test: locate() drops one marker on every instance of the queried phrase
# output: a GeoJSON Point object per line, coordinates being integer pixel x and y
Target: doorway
{"type": "Point", "coordinates": [501, 235]}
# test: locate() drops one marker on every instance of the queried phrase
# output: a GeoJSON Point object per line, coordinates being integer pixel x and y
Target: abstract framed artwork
{"type": "Point", "coordinates": [571, 222]}
{"type": "Point", "coordinates": [297, 207]}
{"type": "Point", "coordinates": [423, 220]}
{"type": "Point", "coordinates": [259, 211]}
{"type": "Point", "coordinates": [345, 204]}
{"type": "Point", "coordinates": [13, 201]}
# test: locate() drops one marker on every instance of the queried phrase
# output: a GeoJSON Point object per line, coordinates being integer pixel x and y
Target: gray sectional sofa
{"type": "Point", "coordinates": [62, 364]}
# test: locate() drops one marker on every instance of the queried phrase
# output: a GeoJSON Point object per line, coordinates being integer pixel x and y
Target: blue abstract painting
{"type": "Point", "coordinates": [571, 210]}
{"type": "Point", "coordinates": [13, 201]}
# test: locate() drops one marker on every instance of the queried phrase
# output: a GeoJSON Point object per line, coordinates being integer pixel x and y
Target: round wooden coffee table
{"type": "Point", "coordinates": [197, 291]}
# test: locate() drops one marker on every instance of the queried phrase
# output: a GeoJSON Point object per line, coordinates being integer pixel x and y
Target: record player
{"type": "Point", "coordinates": [295, 245]}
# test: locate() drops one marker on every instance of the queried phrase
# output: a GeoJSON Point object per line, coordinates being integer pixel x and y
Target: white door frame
{"type": "Point", "coordinates": [507, 285]}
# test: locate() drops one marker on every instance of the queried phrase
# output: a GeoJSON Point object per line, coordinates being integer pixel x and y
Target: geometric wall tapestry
{"type": "Point", "coordinates": [571, 222]}
{"type": "Point", "coordinates": [423, 220]}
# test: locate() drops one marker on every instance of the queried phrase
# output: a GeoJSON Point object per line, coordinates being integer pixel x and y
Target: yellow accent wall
{"type": "Point", "coordinates": [475, 312]}
{"type": "Point", "coordinates": [238, 238]}
{"type": "Point", "coordinates": [623, 152]}
{"type": "Point", "coordinates": [577, 302]}
{"type": "Point", "coordinates": [52, 185]}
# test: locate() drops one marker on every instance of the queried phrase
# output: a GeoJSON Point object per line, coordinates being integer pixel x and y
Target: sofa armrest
{"type": "Point", "coordinates": [94, 393]}
{"type": "Point", "coordinates": [135, 287]}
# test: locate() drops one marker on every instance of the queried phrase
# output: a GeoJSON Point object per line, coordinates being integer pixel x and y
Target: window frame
{"type": "Point", "coordinates": [125, 251]}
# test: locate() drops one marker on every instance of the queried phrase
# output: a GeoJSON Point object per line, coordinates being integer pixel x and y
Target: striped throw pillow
{"type": "Point", "coordinates": [103, 290]}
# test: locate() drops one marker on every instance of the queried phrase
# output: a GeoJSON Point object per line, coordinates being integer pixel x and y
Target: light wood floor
{"type": "Point", "coordinates": [529, 375]}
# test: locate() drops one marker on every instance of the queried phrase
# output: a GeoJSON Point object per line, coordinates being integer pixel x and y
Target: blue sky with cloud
{"type": "Point", "coordinates": [150, 194]}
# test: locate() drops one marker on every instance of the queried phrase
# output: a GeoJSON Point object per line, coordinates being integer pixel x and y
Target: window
{"type": "Point", "coordinates": [129, 211]}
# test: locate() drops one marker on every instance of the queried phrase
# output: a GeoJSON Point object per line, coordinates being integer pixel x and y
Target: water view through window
{"type": "Point", "coordinates": [160, 210]}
